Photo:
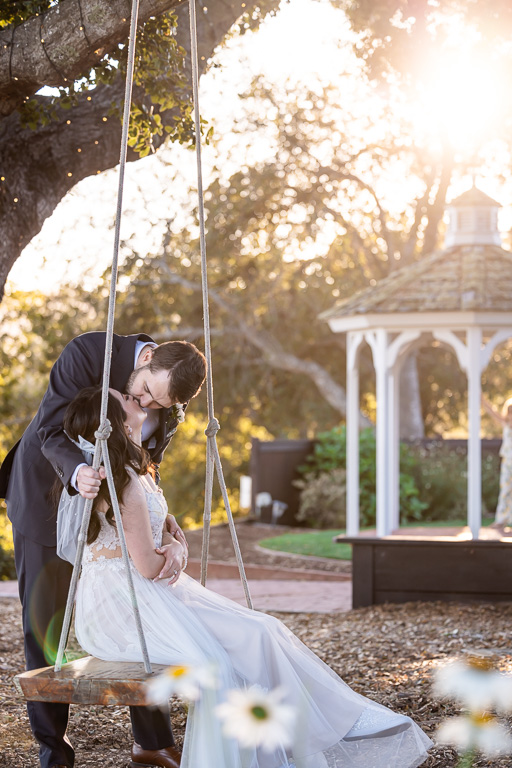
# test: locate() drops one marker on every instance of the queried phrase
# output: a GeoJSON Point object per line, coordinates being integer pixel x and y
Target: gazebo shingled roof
{"type": "Point", "coordinates": [458, 279]}
{"type": "Point", "coordinates": [474, 197]}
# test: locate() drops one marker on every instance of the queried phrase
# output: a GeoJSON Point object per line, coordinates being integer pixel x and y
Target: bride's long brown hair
{"type": "Point", "coordinates": [82, 418]}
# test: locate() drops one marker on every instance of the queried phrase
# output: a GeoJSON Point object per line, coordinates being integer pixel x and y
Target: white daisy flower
{"type": "Point", "coordinates": [257, 718]}
{"type": "Point", "coordinates": [483, 733]}
{"type": "Point", "coordinates": [183, 681]}
{"type": "Point", "coordinates": [478, 689]}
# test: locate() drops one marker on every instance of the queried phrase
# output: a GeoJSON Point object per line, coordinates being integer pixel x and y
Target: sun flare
{"type": "Point", "coordinates": [462, 93]}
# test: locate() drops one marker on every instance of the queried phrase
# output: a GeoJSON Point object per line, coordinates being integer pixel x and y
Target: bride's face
{"type": "Point", "coordinates": [135, 415]}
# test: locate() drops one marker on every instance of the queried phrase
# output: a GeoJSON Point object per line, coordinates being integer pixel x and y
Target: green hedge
{"type": "Point", "coordinates": [323, 498]}
{"type": "Point", "coordinates": [433, 481]}
{"type": "Point", "coordinates": [440, 473]}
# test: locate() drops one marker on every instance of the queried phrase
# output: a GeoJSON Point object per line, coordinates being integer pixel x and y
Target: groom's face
{"type": "Point", "coordinates": [150, 389]}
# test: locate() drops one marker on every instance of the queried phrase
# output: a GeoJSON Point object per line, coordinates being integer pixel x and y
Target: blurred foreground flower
{"type": "Point", "coordinates": [469, 733]}
{"type": "Point", "coordinates": [479, 688]}
{"type": "Point", "coordinates": [475, 685]}
{"type": "Point", "coordinates": [257, 718]}
{"type": "Point", "coordinates": [183, 681]}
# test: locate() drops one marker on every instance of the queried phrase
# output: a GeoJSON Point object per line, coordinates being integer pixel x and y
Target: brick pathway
{"type": "Point", "coordinates": [289, 596]}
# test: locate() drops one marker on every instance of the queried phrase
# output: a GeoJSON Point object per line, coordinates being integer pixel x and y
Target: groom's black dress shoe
{"type": "Point", "coordinates": [157, 758]}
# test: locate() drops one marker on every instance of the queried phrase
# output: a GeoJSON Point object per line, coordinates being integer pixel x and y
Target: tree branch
{"type": "Point", "coordinates": [271, 350]}
{"type": "Point", "coordinates": [57, 47]}
{"type": "Point", "coordinates": [385, 233]}
{"type": "Point", "coordinates": [412, 237]}
{"type": "Point", "coordinates": [436, 210]}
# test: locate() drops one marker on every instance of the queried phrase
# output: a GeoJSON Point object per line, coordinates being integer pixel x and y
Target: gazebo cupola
{"type": "Point", "coordinates": [472, 220]}
{"type": "Point", "coordinates": [460, 297]}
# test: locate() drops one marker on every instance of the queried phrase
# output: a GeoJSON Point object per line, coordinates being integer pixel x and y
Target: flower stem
{"type": "Point", "coordinates": [466, 760]}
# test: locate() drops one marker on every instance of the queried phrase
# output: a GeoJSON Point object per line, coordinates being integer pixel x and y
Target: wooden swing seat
{"type": "Point", "coordinates": [88, 681]}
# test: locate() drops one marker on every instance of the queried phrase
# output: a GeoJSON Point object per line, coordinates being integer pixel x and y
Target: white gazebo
{"type": "Point", "coordinates": [460, 296]}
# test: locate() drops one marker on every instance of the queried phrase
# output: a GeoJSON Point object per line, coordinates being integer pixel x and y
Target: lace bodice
{"type": "Point", "coordinates": [107, 546]}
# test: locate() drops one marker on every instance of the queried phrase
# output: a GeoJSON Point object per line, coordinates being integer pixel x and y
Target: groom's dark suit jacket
{"type": "Point", "coordinates": [28, 472]}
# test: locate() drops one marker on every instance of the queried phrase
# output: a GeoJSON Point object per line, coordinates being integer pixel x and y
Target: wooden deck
{"type": "Point", "coordinates": [421, 566]}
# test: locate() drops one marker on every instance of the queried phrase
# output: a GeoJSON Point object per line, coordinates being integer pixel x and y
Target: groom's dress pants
{"type": "Point", "coordinates": [43, 583]}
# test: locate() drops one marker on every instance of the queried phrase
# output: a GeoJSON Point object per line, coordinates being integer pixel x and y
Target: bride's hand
{"type": "Point", "coordinates": [174, 557]}
{"type": "Point", "coordinates": [174, 529]}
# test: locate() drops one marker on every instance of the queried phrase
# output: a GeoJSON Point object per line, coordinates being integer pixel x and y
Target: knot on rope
{"type": "Point", "coordinates": [104, 431]}
{"type": "Point", "coordinates": [212, 428]}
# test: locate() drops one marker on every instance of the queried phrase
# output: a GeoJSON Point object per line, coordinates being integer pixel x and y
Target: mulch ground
{"type": "Point", "coordinates": [386, 652]}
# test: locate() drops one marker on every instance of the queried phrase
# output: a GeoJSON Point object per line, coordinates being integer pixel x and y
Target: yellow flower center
{"type": "Point", "coordinates": [177, 671]}
{"type": "Point", "coordinates": [481, 719]}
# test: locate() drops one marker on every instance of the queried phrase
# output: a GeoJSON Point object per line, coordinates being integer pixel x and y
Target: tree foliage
{"type": "Point", "coordinates": [310, 221]}
{"type": "Point", "coordinates": [50, 140]}
{"type": "Point", "coordinates": [397, 37]}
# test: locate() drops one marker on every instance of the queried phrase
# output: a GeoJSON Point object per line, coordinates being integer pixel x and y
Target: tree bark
{"type": "Point", "coordinates": [436, 210]}
{"type": "Point", "coordinates": [56, 47]}
{"type": "Point", "coordinates": [411, 416]}
{"type": "Point", "coordinates": [38, 167]}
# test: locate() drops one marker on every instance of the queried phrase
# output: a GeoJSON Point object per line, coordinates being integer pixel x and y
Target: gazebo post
{"type": "Point", "coordinates": [352, 425]}
{"type": "Point", "coordinates": [474, 346]}
{"type": "Point", "coordinates": [380, 348]}
{"type": "Point", "coordinates": [393, 432]}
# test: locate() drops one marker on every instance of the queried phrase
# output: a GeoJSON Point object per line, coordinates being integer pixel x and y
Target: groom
{"type": "Point", "coordinates": [159, 376]}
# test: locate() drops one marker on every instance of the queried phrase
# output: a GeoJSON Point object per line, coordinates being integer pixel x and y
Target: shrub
{"type": "Point", "coordinates": [323, 502]}
{"type": "Point", "coordinates": [7, 569]}
{"type": "Point", "coordinates": [322, 499]}
{"type": "Point", "coordinates": [440, 472]}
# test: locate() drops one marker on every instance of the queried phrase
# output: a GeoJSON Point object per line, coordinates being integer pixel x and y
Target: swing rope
{"type": "Point", "coordinates": [104, 430]}
{"type": "Point", "coordinates": [213, 461]}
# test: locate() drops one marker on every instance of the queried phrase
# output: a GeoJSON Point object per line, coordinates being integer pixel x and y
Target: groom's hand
{"type": "Point", "coordinates": [88, 481]}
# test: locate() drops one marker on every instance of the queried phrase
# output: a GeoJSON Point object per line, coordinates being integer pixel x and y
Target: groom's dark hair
{"type": "Point", "coordinates": [186, 366]}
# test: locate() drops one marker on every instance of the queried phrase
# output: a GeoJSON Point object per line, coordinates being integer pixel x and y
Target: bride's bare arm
{"type": "Point", "coordinates": [137, 528]}
{"type": "Point", "coordinates": [175, 557]}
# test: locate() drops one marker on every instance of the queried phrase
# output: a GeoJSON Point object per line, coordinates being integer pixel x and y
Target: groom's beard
{"type": "Point", "coordinates": [133, 377]}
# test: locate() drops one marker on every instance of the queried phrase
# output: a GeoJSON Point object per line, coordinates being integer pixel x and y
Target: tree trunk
{"type": "Point", "coordinates": [411, 417]}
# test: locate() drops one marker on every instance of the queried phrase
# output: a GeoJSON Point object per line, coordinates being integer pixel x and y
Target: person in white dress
{"type": "Point", "coordinates": [187, 624]}
{"type": "Point", "coordinates": [503, 517]}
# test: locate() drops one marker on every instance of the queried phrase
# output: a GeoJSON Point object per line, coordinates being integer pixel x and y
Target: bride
{"type": "Point", "coordinates": [186, 624]}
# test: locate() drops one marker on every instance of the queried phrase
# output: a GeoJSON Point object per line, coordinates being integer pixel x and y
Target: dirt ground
{"type": "Point", "coordinates": [387, 653]}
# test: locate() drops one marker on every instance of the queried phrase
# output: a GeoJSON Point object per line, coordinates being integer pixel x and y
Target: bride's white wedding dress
{"type": "Point", "coordinates": [186, 624]}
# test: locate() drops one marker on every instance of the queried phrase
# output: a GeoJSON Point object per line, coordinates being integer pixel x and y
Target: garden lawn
{"type": "Point", "coordinates": [321, 544]}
